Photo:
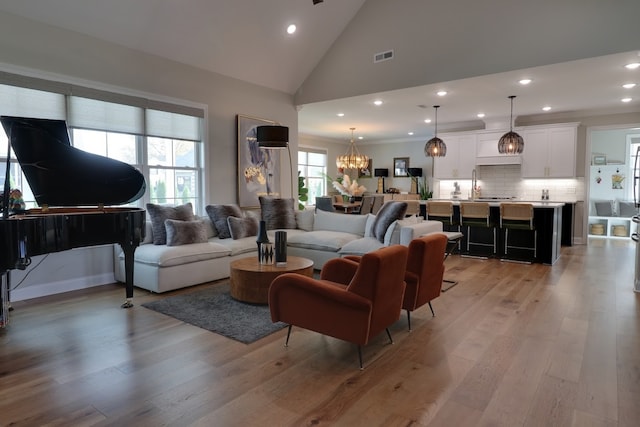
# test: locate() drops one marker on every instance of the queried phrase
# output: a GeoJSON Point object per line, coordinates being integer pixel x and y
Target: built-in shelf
{"type": "Point", "coordinates": [611, 227]}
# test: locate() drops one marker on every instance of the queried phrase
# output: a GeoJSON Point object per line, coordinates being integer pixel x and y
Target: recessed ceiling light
{"type": "Point", "coordinates": [546, 108]}
{"type": "Point", "coordinates": [480, 115]}
{"type": "Point", "coordinates": [626, 100]}
{"type": "Point", "coordinates": [442, 92]}
{"type": "Point", "coordinates": [377, 102]}
{"type": "Point", "coordinates": [410, 133]}
{"type": "Point", "coordinates": [427, 120]}
{"type": "Point", "coordinates": [291, 29]}
{"type": "Point", "coordinates": [629, 85]}
{"type": "Point", "coordinates": [633, 65]}
{"type": "Point", "coordinates": [361, 137]}
{"type": "Point", "coordinates": [525, 81]}
{"type": "Point", "coordinates": [340, 114]}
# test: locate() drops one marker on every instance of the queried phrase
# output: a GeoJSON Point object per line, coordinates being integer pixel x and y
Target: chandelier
{"type": "Point", "coordinates": [352, 159]}
{"type": "Point", "coordinates": [435, 147]}
{"type": "Point", "coordinates": [511, 142]}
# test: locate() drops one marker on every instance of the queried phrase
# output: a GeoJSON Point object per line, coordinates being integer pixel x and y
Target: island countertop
{"type": "Point", "coordinates": [496, 203]}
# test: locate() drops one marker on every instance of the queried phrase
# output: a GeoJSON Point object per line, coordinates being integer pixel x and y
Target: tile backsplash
{"type": "Point", "coordinates": [506, 181]}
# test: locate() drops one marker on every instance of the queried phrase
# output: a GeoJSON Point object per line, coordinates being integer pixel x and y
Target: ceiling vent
{"type": "Point", "coordinates": [382, 56]}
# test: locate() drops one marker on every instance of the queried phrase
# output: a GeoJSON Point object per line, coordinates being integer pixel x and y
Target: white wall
{"type": "Point", "coordinates": [50, 52]}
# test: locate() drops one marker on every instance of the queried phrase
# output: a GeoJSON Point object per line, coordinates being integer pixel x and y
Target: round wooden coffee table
{"type": "Point", "coordinates": [250, 280]}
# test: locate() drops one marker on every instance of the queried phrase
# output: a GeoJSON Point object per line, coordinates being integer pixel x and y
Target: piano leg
{"type": "Point", "coordinates": [4, 298]}
{"type": "Point", "coordinates": [128, 250]}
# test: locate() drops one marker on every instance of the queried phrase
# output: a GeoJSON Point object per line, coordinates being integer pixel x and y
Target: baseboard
{"type": "Point", "coordinates": [45, 289]}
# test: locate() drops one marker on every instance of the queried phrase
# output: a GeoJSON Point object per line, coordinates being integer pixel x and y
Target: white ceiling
{"type": "Point", "coordinates": [246, 39]}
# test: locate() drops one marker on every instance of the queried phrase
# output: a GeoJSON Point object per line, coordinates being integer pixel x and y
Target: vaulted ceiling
{"type": "Point", "coordinates": [573, 50]}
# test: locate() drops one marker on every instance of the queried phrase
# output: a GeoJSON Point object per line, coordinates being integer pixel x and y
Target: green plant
{"type": "Point", "coordinates": [161, 192]}
{"type": "Point", "coordinates": [303, 192]}
{"type": "Point", "coordinates": [423, 189]}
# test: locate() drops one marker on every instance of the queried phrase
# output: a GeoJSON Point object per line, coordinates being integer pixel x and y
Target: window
{"type": "Point", "coordinates": [312, 165]}
{"type": "Point", "coordinates": [162, 140]}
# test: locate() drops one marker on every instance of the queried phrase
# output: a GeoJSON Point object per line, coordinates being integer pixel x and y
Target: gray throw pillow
{"type": "Point", "coordinates": [219, 214]}
{"type": "Point", "coordinates": [159, 214]}
{"type": "Point", "coordinates": [604, 208]}
{"type": "Point", "coordinates": [242, 227]}
{"type": "Point", "coordinates": [185, 232]}
{"type": "Point", "coordinates": [278, 213]}
{"type": "Point", "coordinates": [388, 213]}
{"type": "Point", "coordinates": [627, 209]}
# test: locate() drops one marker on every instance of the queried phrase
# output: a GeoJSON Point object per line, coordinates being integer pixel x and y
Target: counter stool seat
{"type": "Point", "coordinates": [477, 215]}
{"type": "Point", "coordinates": [517, 216]}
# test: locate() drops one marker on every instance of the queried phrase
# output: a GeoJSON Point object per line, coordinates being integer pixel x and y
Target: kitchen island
{"type": "Point", "coordinates": [547, 219]}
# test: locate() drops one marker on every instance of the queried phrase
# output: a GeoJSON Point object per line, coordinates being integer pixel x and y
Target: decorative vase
{"type": "Point", "coordinates": [281, 248]}
{"type": "Point", "coordinates": [263, 243]}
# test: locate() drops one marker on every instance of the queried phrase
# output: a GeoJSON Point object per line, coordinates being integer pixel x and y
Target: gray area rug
{"type": "Point", "coordinates": [213, 309]}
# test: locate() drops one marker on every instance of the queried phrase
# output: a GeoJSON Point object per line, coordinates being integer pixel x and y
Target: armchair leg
{"type": "Point", "coordinates": [409, 320]}
{"type": "Point", "coordinates": [389, 335]}
{"type": "Point", "coordinates": [286, 344]}
{"type": "Point", "coordinates": [360, 357]}
{"type": "Point", "coordinates": [432, 312]}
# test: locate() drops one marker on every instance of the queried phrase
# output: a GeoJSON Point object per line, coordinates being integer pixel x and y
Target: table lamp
{"type": "Point", "coordinates": [381, 174]}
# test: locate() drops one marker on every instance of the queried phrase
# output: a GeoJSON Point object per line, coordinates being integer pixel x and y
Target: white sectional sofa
{"type": "Point", "coordinates": [319, 236]}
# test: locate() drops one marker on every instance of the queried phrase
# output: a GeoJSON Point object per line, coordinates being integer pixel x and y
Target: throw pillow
{"type": "Point", "coordinates": [388, 213]}
{"type": "Point", "coordinates": [304, 219]}
{"type": "Point", "coordinates": [242, 227]}
{"type": "Point", "coordinates": [219, 214]}
{"type": "Point", "coordinates": [159, 214]}
{"type": "Point", "coordinates": [604, 208]}
{"type": "Point", "coordinates": [627, 209]}
{"type": "Point", "coordinates": [278, 213]}
{"type": "Point", "coordinates": [185, 232]}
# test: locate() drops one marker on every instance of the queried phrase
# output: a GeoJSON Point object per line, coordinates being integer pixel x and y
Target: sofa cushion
{"type": "Point", "coordinates": [388, 213]}
{"type": "Point", "coordinates": [331, 221]}
{"type": "Point", "coordinates": [244, 245]}
{"type": "Point", "coordinates": [361, 246]}
{"type": "Point", "coordinates": [219, 214]}
{"type": "Point", "coordinates": [304, 219]}
{"type": "Point", "coordinates": [330, 241]}
{"type": "Point", "coordinates": [185, 232]}
{"type": "Point", "coordinates": [159, 214]}
{"type": "Point", "coordinates": [277, 213]}
{"type": "Point", "coordinates": [168, 256]}
{"type": "Point", "coordinates": [242, 227]}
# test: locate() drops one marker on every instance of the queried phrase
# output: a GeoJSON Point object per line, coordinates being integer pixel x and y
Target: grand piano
{"type": "Point", "coordinates": [76, 192]}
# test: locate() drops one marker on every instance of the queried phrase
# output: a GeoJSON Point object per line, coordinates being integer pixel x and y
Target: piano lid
{"type": "Point", "coordinates": [61, 175]}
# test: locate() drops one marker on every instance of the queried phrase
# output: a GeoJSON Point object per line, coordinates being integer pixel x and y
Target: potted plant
{"type": "Point", "coordinates": [303, 192]}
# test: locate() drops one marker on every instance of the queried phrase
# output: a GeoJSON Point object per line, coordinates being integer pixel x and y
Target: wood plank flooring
{"type": "Point", "coordinates": [511, 345]}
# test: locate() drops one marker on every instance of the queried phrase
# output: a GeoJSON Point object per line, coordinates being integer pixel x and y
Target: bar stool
{"type": "Point", "coordinates": [443, 212]}
{"type": "Point", "coordinates": [517, 216]}
{"type": "Point", "coordinates": [477, 215]}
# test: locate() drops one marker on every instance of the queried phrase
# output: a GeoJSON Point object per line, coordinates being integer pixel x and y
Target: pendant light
{"type": "Point", "coordinates": [511, 142]}
{"type": "Point", "coordinates": [435, 147]}
{"type": "Point", "coordinates": [352, 159]}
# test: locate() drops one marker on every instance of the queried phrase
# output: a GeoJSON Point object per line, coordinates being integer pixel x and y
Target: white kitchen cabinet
{"type": "Point", "coordinates": [549, 152]}
{"type": "Point", "coordinates": [460, 159]}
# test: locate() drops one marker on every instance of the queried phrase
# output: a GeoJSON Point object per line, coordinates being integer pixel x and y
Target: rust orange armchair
{"type": "Point", "coordinates": [424, 272]}
{"type": "Point", "coordinates": [352, 301]}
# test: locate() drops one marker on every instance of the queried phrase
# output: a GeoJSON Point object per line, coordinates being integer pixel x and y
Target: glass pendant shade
{"type": "Point", "coordinates": [352, 159]}
{"type": "Point", "coordinates": [435, 147]}
{"type": "Point", "coordinates": [511, 142]}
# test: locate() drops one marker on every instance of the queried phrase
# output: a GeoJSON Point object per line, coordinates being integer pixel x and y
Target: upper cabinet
{"type": "Point", "coordinates": [549, 151]}
{"type": "Point", "coordinates": [460, 159]}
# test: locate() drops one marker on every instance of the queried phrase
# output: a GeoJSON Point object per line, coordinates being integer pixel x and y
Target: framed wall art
{"type": "Point", "coordinates": [258, 169]}
{"type": "Point", "coordinates": [367, 171]}
{"type": "Point", "coordinates": [400, 166]}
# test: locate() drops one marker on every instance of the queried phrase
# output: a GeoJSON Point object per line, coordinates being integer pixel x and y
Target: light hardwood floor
{"type": "Point", "coordinates": [511, 345]}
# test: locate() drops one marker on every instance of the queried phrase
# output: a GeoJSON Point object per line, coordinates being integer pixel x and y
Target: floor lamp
{"type": "Point", "coordinates": [274, 138]}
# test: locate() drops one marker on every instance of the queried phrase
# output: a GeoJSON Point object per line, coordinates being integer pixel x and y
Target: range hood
{"type": "Point", "coordinates": [504, 159]}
